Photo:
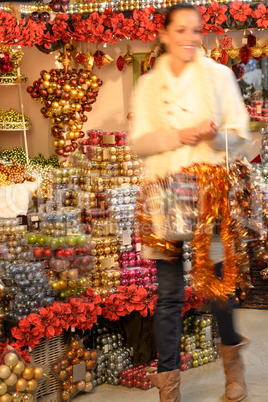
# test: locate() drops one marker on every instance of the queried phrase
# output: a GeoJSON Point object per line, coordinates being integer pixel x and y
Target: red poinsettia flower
{"type": "Point", "coordinates": [83, 30]}
{"type": "Point", "coordinates": [47, 39]}
{"type": "Point", "coordinates": [108, 15]}
{"type": "Point", "coordinates": [61, 312]}
{"type": "Point", "coordinates": [90, 317]}
{"type": "Point", "coordinates": [262, 14]}
{"type": "Point", "coordinates": [240, 11]}
{"type": "Point", "coordinates": [130, 296]}
{"type": "Point", "coordinates": [77, 316]}
{"type": "Point", "coordinates": [102, 35]}
{"type": "Point", "coordinates": [92, 297]}
{"type": "Point", "coordinates": [206, 28]}
{"type": "Point", "coordinates": [46, 322]}
{"type": "Point", "coordinates": [217, 29]}
{"type": "Point", "coordinates": [204, 14]}
{"type": "Point", "coordinates": [147, 305]}
{"type": "Point", "coordinates": [217, 13]}
{"type": "Point", "coordinates": [110, 308]}
{"type": "Point", "coordinates": [191, 300]}
{"type": "Point", "coordinates": [25, 335]}
{"type": "Point", "coordinates": [3, 346]}
{"type": "Point", "coordinates": [159, 20]}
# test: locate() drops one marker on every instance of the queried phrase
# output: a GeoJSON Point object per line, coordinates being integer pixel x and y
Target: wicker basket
{"type": "Point", "coordinates": [46, 354]}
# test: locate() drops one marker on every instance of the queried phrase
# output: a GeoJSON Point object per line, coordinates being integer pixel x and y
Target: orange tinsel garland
{"type": "Point", "coordinates": [213, 187]}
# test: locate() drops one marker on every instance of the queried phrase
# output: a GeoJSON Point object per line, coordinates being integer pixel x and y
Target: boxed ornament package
{"type": "Point", "coordinates": [75, 369]}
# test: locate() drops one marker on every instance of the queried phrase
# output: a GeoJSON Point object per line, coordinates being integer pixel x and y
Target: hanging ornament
{"type": "Point", "coordinates": [65, 61]}
{"type": "Point", "coordinates": [256, 51]}
{"type": "Point", "coordinates": [233, 52]}
{"type": "Point", "coordinates": [239, 71]}
{"type": "Point", "coordinates": [226, 42]}
{"type": "Point", "coordinates": [128, 58]}
{"type": "Point", "coordinates": [98, 58]}
{"type": "Point", "coordinates": [245, 54]}
{"type": "Point", "coordinates": [80, 58]}
{"type": "Point", "coordinates": [252, 40]}
{"type": "Point", "coordinates": [216, 53]}
{"type": "Point", "coordinates": [120, 63]}
{"type": "Point", "coordinates": [107, 59]}
{"type": "Point", "coordinates": [224, 58]}
{"type": "Point", "coordinates": [204, 50]}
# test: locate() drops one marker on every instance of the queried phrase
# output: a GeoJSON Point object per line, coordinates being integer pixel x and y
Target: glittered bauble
{"type": "Point", "coordinates": [28, 397]}
{"type": "Point", "coordinates": [256, 51]}
{"type": "Point", "coordinates": [18, 369]}
{"type": "Point", "coordinates": [11, 359]}
{"type": "Point", "coordinates": [17, 397]}
{"type": "Point", "coordinates": [11, 380]}
{"type": "Point", "coordinates": [28, 373]}
{"type": "Point", "coordinates": [233, 52]}
{"type": "Point", "coordinates": [32, 385]}
{"type": "Point", "coordinates": [21, 384]}
{"type": "Point", "coordinates": [128, 58]}
{"type": "Point", "coordinates": [216, 54]}
{"type": "Point", "coordinates": [4, 371]}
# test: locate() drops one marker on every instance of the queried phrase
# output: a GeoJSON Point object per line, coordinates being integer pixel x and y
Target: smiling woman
{"type": "Point", "coordinates": [183, 108]}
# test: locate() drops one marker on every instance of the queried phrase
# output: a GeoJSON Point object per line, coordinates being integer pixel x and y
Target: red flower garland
{"type": "Point", "coordinates": [109, 26]}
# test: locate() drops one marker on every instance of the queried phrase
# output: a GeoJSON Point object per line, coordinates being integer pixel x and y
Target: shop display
{"type": "Point", "coordinates": [13, 120]}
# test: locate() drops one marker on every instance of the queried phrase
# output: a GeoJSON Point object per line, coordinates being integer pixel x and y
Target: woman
{"type": "Point", "coordinates": [182, 109]}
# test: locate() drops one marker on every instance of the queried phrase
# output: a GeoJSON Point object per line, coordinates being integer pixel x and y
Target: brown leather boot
{"type": "Point", "coordinates": [168, 384]}
{"type": "Point", "coordinates": [235, 387]}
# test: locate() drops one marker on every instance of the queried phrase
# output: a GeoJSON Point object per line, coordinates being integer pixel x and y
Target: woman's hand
{"type": "Point", "coordinates": [189, 136]}
{"type": "Point", "coordinates": [207, 130]}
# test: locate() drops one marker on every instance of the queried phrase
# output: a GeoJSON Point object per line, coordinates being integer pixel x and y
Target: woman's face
{"type": "Point", "coordinates": [183, 35]}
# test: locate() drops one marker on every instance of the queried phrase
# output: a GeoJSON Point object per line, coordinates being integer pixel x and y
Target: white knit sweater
{"type": "Point", "coordinates": [163, 104]}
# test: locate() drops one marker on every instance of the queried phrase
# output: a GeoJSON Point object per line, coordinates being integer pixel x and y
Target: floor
{"type": "Point", "coordinates": [206, 383]}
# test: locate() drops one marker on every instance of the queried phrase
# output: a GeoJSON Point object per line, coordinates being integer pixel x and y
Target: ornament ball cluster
{"type": "Point", "coordinates": [66, 95]}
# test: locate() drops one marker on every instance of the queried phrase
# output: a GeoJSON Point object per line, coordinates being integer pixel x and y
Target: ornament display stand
{"type": "Point", "coordinates": [23, 123]}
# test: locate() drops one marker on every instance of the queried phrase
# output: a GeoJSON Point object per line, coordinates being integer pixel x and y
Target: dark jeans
{"type": "Point", "coordinates": [168, 320]}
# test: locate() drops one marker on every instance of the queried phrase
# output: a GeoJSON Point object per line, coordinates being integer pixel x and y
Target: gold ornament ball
{"type": "Point", "coordinates": [46, 77]}
{"type": "Point", "coordinates": [28, 397]}
{"type": "Point", "coordinates": [88, 376]}
{"type": "Point", "coordinates": [11, 380]}
{"type": "Point", "coordinates": [17, 397]}
{"type": "Point", "coordinates": [4, 371]}
{"type": "Point", "coordinates": [88, 387]}
{"type": "Point", "coordinates": [38, 372]}
{"type": "Point", "coordinates": [3, 388]}
{"type": "Point", "coordinates": [81, 385]}
{"type": "Point", "coordinates": [28, 373]}
{"type": "Point", "coordinates": [94, 78]}
{"type": "Point", "coordinates": [46, 84]}
{"type": "Point", "coordinates": [6, 398]}
{"type": "Point", "coordinates": [11, 359]}
{"type": "Point", "coordinates": [18, 369]}
{"type": "Point", "coordinates": [21, 384]}
{"type": "Point", "coordinates": [65, 395]}
{"type": "Point", "coordinates": [74, 345]}
{"type": "Point", "coordinates": [32, 385]}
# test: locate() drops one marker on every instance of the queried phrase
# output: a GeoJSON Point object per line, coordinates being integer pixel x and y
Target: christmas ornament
{"type": "Point", "coordinates": [66, 95]}
{"type": "Point", "coordinates": [245, 54]}
{"type": "Point", "coordinates": [120, 63]}
{"type": "Point", "coordinates": [216, 53]}
{"type": "Point", "coordinates": [128, 58]}
{"type": "Point", "coordinates": [233, 52]}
